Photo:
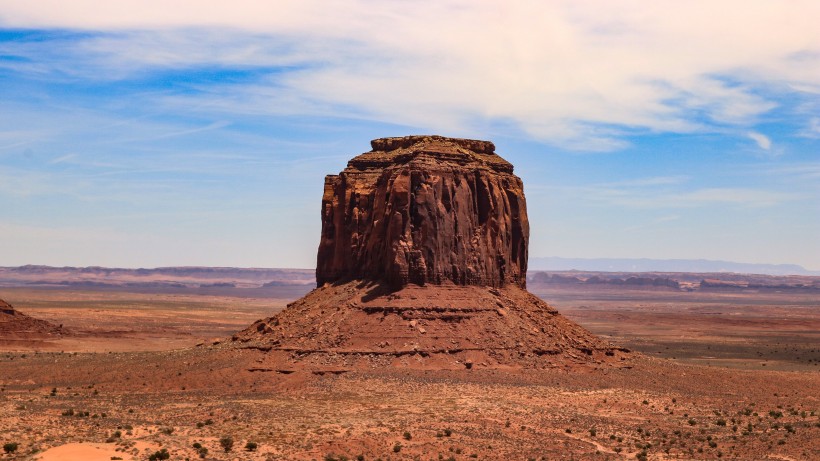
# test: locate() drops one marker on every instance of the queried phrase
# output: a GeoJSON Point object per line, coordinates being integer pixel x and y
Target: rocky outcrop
{"type": "Point", "coordinates": [17, 325]}
{"type": "Point", "coordinates": [6, 308]}
{"type": "Point", "coordinates": [425, 210]}
{"type": "Point", "coordinates": [422, 263]}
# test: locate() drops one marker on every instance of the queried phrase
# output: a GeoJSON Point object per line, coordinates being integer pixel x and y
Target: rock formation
{"type": "Point", "coordinates": [425, 209]}
{"type": "Point", "coordinates": [16, 325]}
{"type": "Point", "coordinates": [422, 262]}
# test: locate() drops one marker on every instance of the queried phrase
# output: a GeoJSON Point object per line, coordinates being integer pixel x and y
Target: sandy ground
{"type": "Point", "coordinates": [117, 392]}
{"type": "Point", "coordinates": [83, 452]}
{"type": "Point", "coordinates": [139, 403]}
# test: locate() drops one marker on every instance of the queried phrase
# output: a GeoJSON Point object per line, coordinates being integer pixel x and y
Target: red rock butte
{"type": "Point", "coordinates": [425, 209]}
{"type": "Point", "coordinates": [422, 263]}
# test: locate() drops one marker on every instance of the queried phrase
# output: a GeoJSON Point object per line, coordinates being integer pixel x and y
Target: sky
{"type": "Point", "coordinates": [142, 133]}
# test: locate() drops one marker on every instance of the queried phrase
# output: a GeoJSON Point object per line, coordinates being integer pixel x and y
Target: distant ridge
{"type": "Point", "coordinates": [664, 265]}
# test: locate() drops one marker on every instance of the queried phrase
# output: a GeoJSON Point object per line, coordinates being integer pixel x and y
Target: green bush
{"type": "Point", "coordinates": [251, 446]}
{"type": "Point", "coordinates": [227, 443]}
{"type": "Point", "coordinates": [10, 447]}
{"type": "Point", "coordinates": [159, 455]}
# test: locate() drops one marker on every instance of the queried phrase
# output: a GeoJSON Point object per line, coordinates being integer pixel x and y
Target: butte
{"type": "Point", "coordinates": [16, 325]}
{"type": "Point", "coordinates": [422, 263]}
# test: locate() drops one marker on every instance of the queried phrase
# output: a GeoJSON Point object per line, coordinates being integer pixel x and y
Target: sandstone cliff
{"type": "Point", "coordinates": [425, 209]}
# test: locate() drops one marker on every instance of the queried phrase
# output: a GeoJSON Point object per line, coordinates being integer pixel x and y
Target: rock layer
{"type": "Point", "coordinates": [425, 210]}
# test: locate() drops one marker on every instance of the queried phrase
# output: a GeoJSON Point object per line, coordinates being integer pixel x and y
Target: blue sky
{"type": "Point", "coordinates": [143, 134]}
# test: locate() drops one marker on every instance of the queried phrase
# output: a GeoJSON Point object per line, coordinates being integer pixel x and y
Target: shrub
{"type": "Point", "coordinates": [10, 447]}
{"type": "Point", "coordinates": [251, 446]}
{"type": "Point", "coordinates": [159, 455]}
{"type": "Point", "coordinates": [407, 436]}
{"type": "Point", "coordinates": [448, 432]}
{"type": "Point", "coordinates": [227, 443]}
{"type": "Point", "coordinates": [397, 447]}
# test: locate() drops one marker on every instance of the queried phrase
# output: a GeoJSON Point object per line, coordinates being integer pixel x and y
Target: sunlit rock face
{"type": "Point", "coordinates": [425, 210]}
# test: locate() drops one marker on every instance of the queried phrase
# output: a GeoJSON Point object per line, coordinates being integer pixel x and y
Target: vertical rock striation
{"type": "Point", "coordinates": [425, 210]}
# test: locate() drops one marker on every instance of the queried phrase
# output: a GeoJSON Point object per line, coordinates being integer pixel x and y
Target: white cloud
{"type": "Point", "coordinates": [761, 139]}
{"type": "Point", "coordinates": [666, 199]}
{"type": "Point", "coordinates": [812, 129]}
{"type": "Point", "coordinates": [583, 75]}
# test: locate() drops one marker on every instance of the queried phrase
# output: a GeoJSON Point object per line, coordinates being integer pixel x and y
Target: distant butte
{"type": "Point", "coordinates": [422, 263]}
{"type": "Point", "coordinates": [16, 325]}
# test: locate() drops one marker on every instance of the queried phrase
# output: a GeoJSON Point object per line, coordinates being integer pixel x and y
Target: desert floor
{"type": "Point", "coordinates": [144, 372]}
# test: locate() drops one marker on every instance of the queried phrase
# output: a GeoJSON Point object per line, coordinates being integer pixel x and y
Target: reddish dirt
{"type": "Point", "coordinates": [308, 415]}
{"type": "Point", "coordinates": [141, 402]}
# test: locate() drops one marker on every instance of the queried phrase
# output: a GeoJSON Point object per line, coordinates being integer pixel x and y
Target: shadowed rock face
{"type": "Point", "coordinates": [425, 210]}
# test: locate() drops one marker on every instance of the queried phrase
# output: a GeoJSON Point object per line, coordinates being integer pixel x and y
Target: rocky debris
{"type": "Point", "coordinates": [422, 263]}
{"type": "Point", "coordinates": [17, 325]}
{"type": "Point", "coordinates": [444, 326]}
{"type": "Point", "coordinates": [425, 210]}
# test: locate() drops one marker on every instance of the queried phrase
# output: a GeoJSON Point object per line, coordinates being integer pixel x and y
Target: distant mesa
{"type": "Point", "coordinates": [422, 263]}
{"type": "Point", "coordinates": [631, 281]}
{"type": "Point", "coordinates": [17, 325]}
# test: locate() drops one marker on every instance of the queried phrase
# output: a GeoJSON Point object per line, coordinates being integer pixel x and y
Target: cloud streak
{"type": "Point", "coordinates": [760, 139]}
{"type": "Point", "coordinates": [581, 75]}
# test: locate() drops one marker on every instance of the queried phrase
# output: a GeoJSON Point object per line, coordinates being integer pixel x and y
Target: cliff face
{"type": "Point", "coordinates": [425, 210]}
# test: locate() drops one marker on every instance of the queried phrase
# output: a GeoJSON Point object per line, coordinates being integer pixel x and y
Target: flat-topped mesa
{"type": "Point", "coordinates": [425, 210]}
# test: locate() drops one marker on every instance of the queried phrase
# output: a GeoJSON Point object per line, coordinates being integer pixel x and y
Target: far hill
{"type": "Point", "coordinates": [663, 265]}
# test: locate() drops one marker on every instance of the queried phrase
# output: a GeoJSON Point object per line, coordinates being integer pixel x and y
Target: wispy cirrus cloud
{"type": "Point", "coordinates": [760, 139]}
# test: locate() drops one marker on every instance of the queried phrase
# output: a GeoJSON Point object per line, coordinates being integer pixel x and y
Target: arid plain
{"type": "Point", "coordinates": [723, 373]}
